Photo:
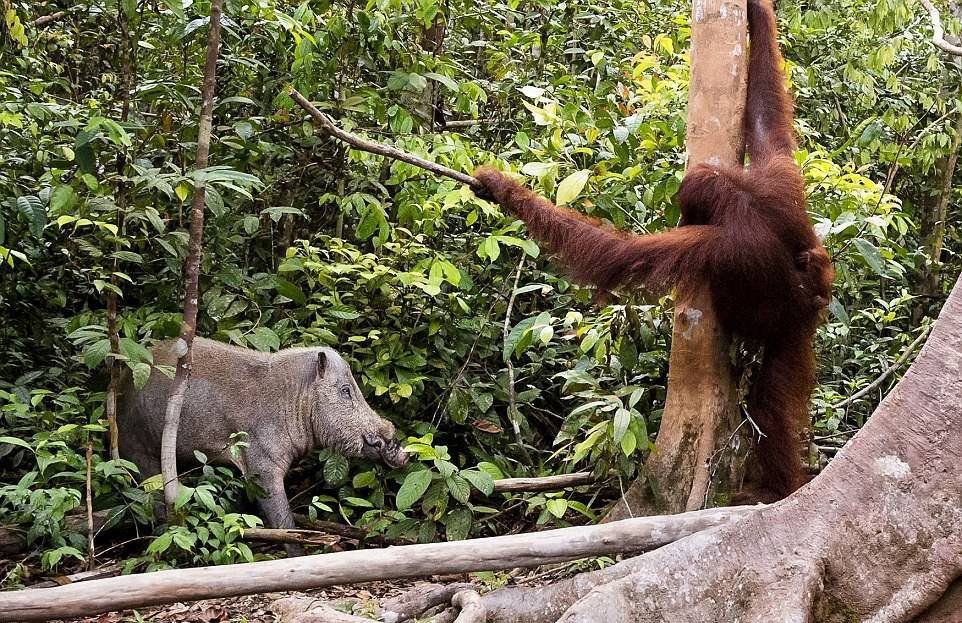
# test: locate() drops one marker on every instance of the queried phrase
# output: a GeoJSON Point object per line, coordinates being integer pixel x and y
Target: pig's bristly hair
{"type": "Point", "coordinates": [744, 234]}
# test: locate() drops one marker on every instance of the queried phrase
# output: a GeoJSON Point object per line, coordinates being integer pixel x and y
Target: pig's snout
{"type": "Point", "coordinates": [387, 450]}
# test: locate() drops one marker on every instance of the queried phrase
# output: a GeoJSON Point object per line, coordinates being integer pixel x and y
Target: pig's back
{"type": "Point", "coordinates": [224, 396]}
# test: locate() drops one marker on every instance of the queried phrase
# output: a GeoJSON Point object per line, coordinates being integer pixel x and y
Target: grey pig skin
{"type": "Point", "coordinates": [289, 403]}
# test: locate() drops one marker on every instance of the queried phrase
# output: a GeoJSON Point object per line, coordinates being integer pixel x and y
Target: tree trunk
{"type": "Point", "coordinates": [876, 537]}
{"type": "Point", "coordinates": [690, 461]}
{"type": "Point", "coordinates": [168, 447]}
{"type": "Point", "coordinates": [932, 225]}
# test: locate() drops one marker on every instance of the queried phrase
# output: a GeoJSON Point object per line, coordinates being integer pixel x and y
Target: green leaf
{"type": "Point", "coordinates": [871, 254]}
{"type": "Point", "coordinates": [427, 532]}
{"type": "Point", "coordinates": [128, 256]}
{"type": "Point", "coordinates": [458, 404]}
{"type": "Point", "coordinates": [335, 470]}
{"type": "Point", "coordinates": [177, 8]}
{"type": "Point", "coordinates": [344, 312]}
{"type": "Point", "coordinates": [63, 199]}
{"type": "Point", "coordinates": [557, 507]}
{"type": "Point", "coordinates": [203, 494]}
{"type": "Point", "coordinates": [141, 374]}
{"type": "Point", "coordinates": [481, 481]}
{"type": "Point", "coordinates": [417, 81]}
{"type": "Point", "coordinates": [154, 217]}
{"type": "Point", "coordinates": [15, 441]}
{"type": "Point", "coordinates": [32, 209]}
{"type": "Point", "coordinates": [251, 224]}
{"type": "Point", "coordinates": [571, 186]}
{"type": "Point", "coordinates": [355, 501]}
{"type": "Point", "coordinates": [413, 487]}
{"type": "Point", "coordinates": [445, 468]}
{"type": "Point", "coordinates": [870, 134]}
{"type": "Point", "coordinates": [291, 291]}
{"type": "Point", "coordinates": [538, 169]}
{"type": "Point", "coordinates": [95, 354]}
{"type": "Point", "coordinates": [84, 154]}
{"type": "Point", "coordinates": [134, 351]}
{"type": "Point", "coordinates": [483, 400]}
{"type": "Point", "coordinates": [622, 419]}
{"type": "Point", "coordinates": [514, 337]}
{"type": "Point", "coordinates": [629, 442]}
{"type": "Point", "coordinates": [90, 181]}
{"type": "Point", "coordinates": [457, 524]}
{"type": "Point", "coordinates": [491, 470]}
{"type": "Point", "coordinates": [160, 544]}
{"type": "Point", "coordinates": [364, 480]}
{"type": "Point", "coordinates": [397, 81]}
{"type": "Point", "coordinates": [448, 82]}
{"type": "Point", "coordinates": [836, 308]}
{"type": "Point", "coordinates": [264, 339]}
{"type": "Point", "coordinates": [184, 494]}
{"type": "Point", "coordinates": [459, 488]}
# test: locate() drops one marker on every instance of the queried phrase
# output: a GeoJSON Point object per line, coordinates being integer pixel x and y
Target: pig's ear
{"type": "Point", "coordinates": [321, 364]}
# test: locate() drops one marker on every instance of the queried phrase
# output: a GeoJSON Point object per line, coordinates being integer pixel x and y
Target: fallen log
{"type": "Point", "coordinates": [545, 483]}
{"type": "Point", "coordinates": [290, 535]}
{"type": "Point", "coordinates": [322, 570]}
{"type": "Point", "coordinates": [330, 527]}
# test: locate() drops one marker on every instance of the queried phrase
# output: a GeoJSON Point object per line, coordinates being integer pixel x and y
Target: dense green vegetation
{"type": "Point", "coordinates": [409, 275]}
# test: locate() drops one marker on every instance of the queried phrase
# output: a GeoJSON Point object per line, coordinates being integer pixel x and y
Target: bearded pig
{"type": "Point", "coordinates": [289, 403]}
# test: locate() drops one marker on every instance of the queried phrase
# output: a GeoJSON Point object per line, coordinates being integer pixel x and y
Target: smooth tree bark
{"type": "Point", "coordinates": [543, 483]}
{"type": "Point", "coordinates": [876, 537]}
{"type": "Point", "coordinates": [691, 460]}
{"type": "Point", "coordinates": [178, 389]}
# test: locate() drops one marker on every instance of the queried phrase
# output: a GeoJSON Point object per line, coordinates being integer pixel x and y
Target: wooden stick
{"type": "Point", "coordinates": [938, 33]}
{"type": "Point", "coordinates": [290, 535]}
{"type": "Point", "coordinates": [330, 527]}
{"type": "Point", "coordinates": [43, 20]}
{"type": "Point", "coordinates": [195, 248]}
{"type": "Point", "coordinates": [81, 576]}
{"type": "Point", "coordinates": [377, 148]}
{"type": "Point", "coordinates": [91, 552]}
{"type": "Point", "coordinates": [408, 561]}
{"type": "Point", "coordinates": [419, 600]}
{"type": "Point", "coordinates": [545, 483]}
{"type": "Point", "coordinates": [892, 368]}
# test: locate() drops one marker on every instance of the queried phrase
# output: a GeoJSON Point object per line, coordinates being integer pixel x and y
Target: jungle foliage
{"type": "Point", "coordinates": [409, 275]}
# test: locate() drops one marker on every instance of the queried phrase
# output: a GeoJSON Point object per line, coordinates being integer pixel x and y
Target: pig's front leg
{"type": "Point", "coordinates": [274, 505]}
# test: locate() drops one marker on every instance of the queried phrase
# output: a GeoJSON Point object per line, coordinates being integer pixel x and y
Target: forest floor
{"type": "Point", "coordinates": [252, 608]}
{"type": "Point", "coordinates": [361, 599]}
